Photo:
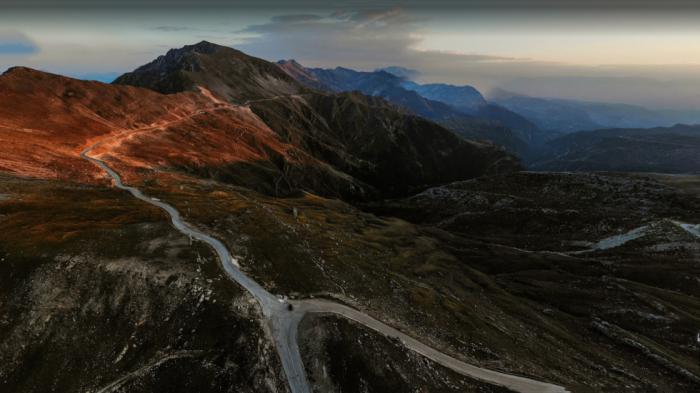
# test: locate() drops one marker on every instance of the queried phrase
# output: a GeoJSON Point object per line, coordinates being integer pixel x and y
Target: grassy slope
{"type": "Point", "coordinates": [94, 284]}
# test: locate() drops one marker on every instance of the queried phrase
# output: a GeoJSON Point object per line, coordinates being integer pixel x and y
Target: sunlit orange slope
{"type": "Point", "coordinates": [47, 120]}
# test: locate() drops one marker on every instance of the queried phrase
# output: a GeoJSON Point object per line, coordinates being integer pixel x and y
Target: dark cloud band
{"type": "Point", "coordinates": [434, 5]}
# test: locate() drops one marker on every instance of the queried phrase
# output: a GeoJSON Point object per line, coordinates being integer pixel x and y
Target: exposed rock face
{"type": "Point", "coordinates": [377, 83]}
{"type": "Point", "coordinates": [47, 120]}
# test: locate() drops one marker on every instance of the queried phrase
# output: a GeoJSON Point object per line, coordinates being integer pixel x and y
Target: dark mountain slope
{"type": "Point", "coordinates": [371, 140]}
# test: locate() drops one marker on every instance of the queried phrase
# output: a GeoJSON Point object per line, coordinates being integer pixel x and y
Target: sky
{"type": "Point", "coordinates": [638, 52]}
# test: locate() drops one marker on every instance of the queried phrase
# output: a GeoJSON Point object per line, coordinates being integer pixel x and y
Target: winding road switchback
{"type": "Point", "coordinates": [282, 323]}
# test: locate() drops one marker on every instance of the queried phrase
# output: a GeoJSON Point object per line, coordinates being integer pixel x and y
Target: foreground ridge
{"type": "Point", "coordinates": [282, 322]}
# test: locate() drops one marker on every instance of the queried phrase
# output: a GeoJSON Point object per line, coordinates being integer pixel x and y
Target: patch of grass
{"type": "Point", "coordinates": [95, 284]}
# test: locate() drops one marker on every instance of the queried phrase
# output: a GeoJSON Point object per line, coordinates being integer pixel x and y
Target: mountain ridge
{"type": "Point", "coordinates": [374, 142]}
{"type": "Point", "coordinates": [481, 120]}
{"type": "Point", "coordinates": [567, 115]}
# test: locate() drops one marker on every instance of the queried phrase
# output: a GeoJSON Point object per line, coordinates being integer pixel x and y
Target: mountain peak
{"type": "Point", "coordinates": [292, 62]}
{"type": "Point", "coordinates": [15, 69]}
{"type": "Point", "coordinates": [227, 72]}
{"type": "Point", "coordinates": [21, 70]}
{"type": "Point", "coordinates": [30, 78]}
{"type": "Point", "coordinates": [204, 47]}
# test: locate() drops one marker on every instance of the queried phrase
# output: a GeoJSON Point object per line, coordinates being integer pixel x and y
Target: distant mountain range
{"type": "Point", "coordinates": [462, 109]}
{"type": "Point", "coordinates": [665, 149]}
{"type": "Point", "coordinates": [533, 128]}
{"type": "Point", "coordinates": [565, 116]}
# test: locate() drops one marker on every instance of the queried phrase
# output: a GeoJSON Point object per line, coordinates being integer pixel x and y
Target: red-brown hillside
{"type": "Point", "coordinates": [47, 120]}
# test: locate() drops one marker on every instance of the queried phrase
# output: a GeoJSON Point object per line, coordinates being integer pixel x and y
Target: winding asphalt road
{"type": "Point", "coordinates": [272, 308]}
{"type": "Point", "coordinates": [282, 324]}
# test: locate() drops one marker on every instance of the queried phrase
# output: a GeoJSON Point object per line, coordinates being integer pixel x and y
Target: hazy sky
{"type": "Point", "coordinates": [625, 51]}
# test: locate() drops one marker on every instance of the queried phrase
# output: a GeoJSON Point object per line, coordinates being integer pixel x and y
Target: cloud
{"type": "Point", "coordinates": [375, 37]}
{"type": "Point", "coordinates": [372, 39]}
{"type": "Point", "coordinates": [366, 39]}
{"type": "Point", "coordinates": [16, 43]}
{"type": "Point", "coordinates": [170, 29]}
{"type": "Point", "coordinates": [295, 18]}
{"type": "Point", "coordinates": [379, 17]}
{"type": "Point", "coordinates": [342, 37]}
